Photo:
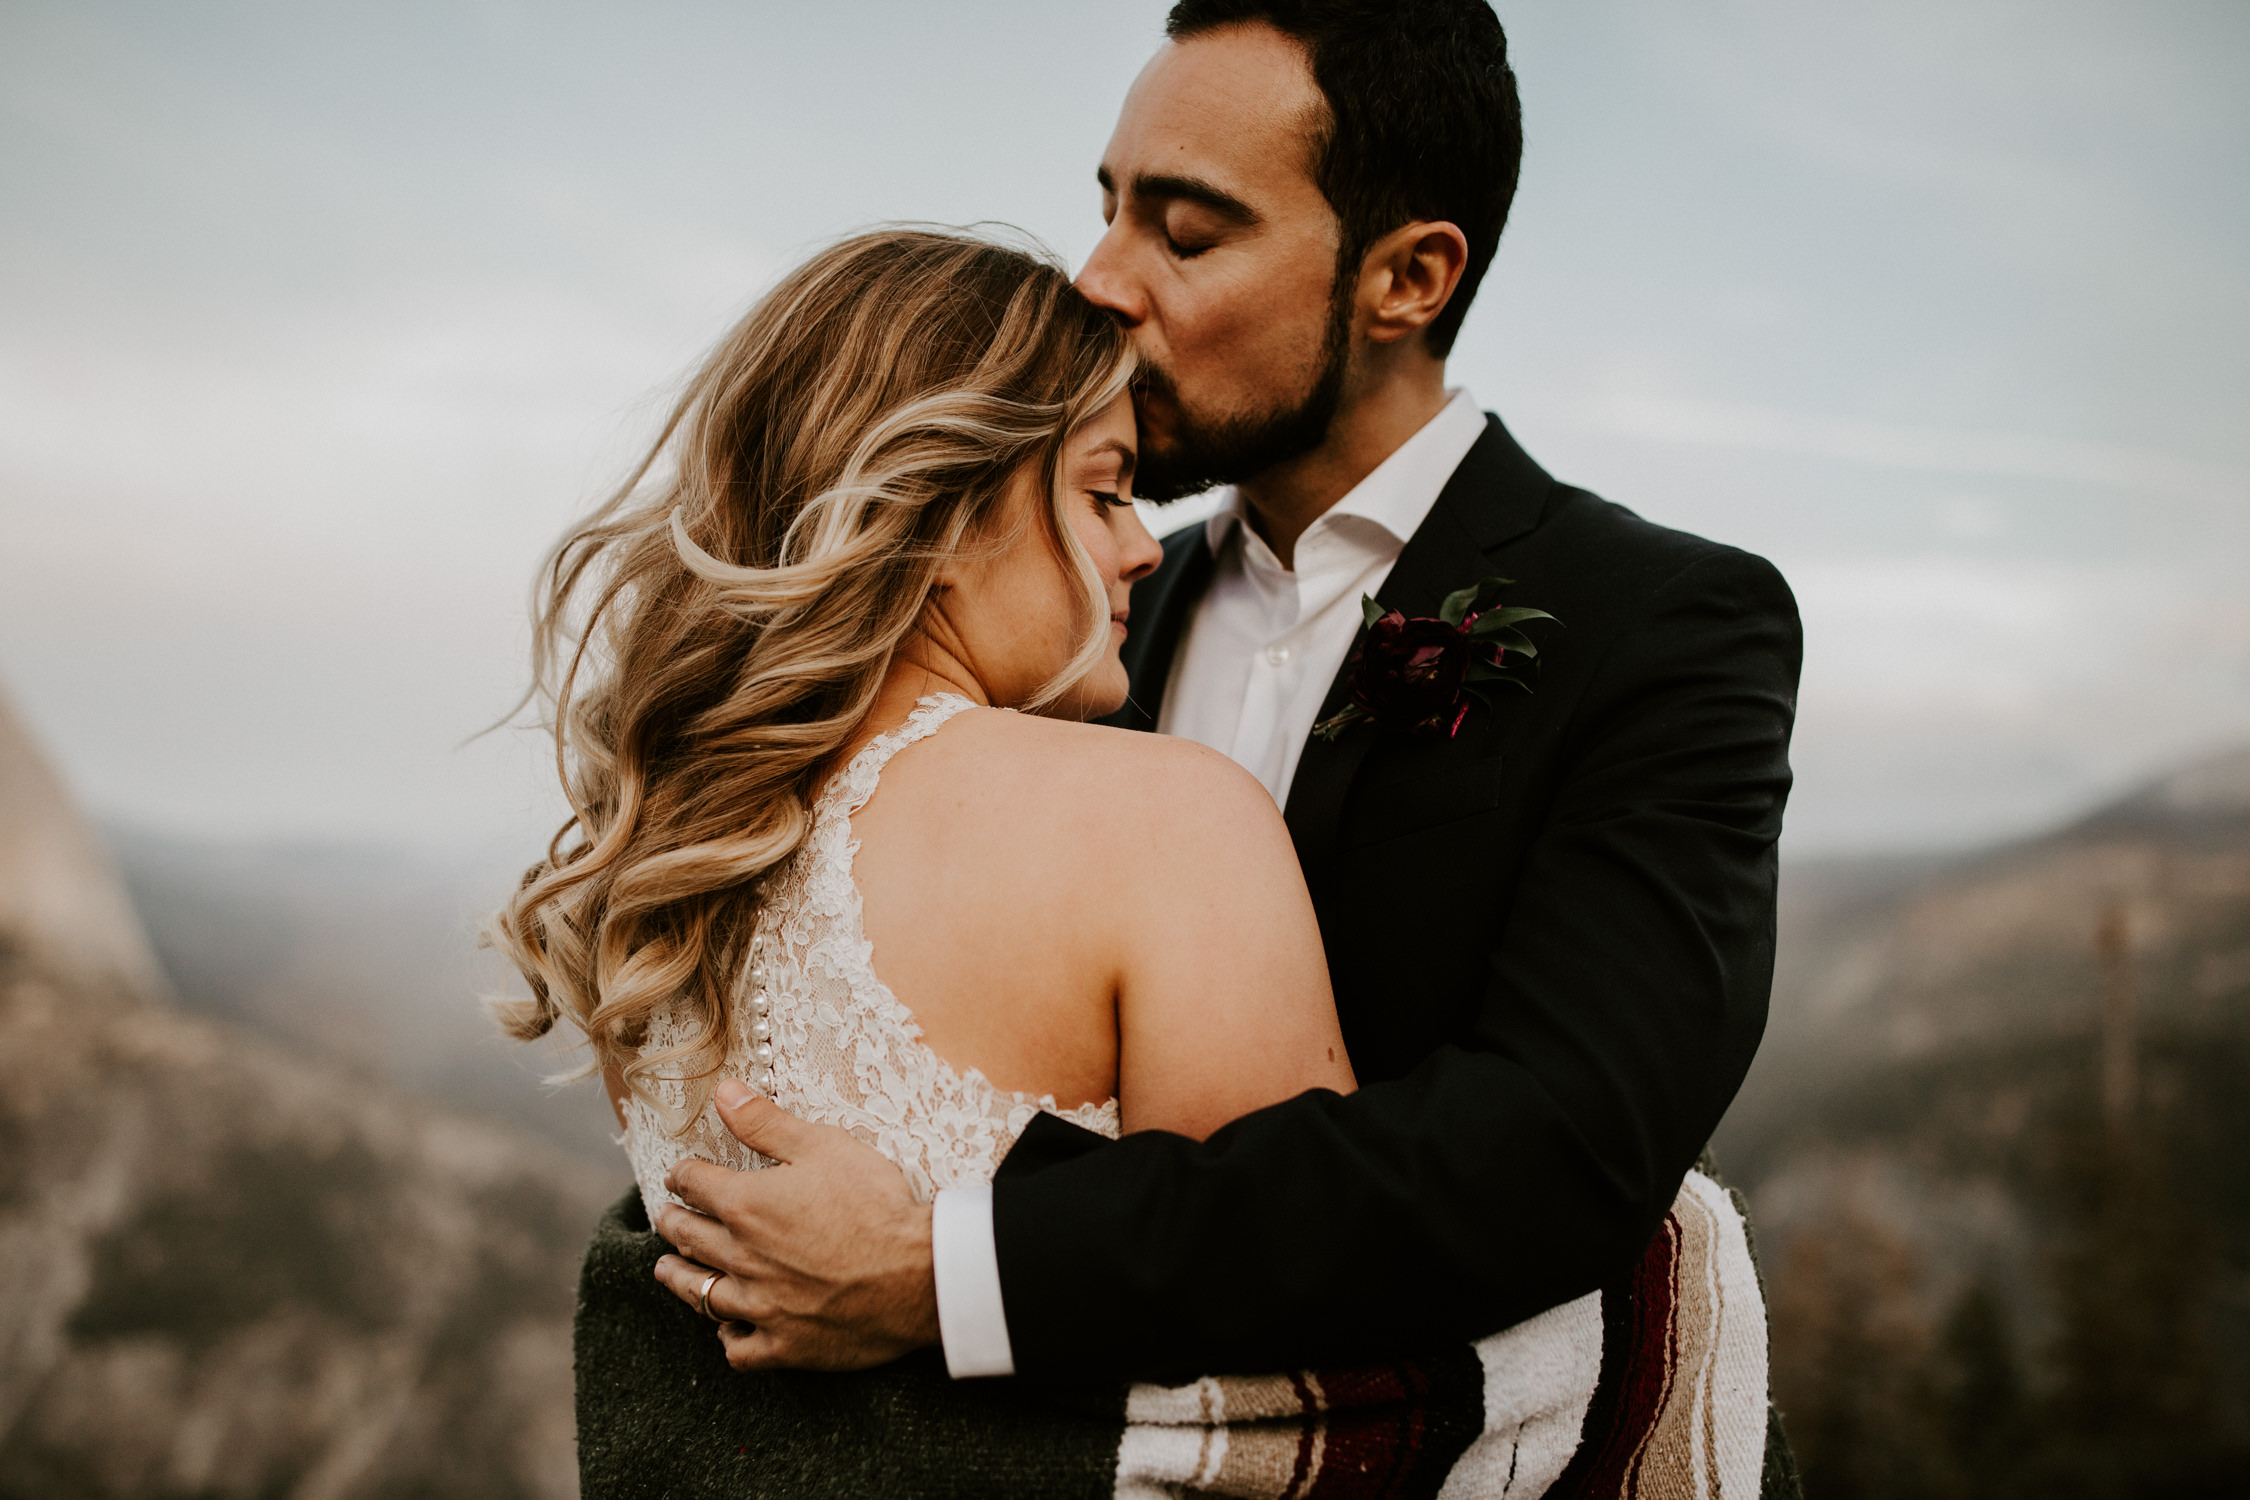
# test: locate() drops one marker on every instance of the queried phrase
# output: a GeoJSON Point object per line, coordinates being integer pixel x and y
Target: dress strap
{"type": "Point", "coordinates": [849, 790]}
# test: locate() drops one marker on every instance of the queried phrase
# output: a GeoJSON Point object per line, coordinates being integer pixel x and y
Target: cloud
{"type": "Point", "coordinates": [1723, 424]}
{"type": "Point", "coordinates": [1951, 699]}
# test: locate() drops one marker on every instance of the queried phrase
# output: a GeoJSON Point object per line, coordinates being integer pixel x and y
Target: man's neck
{"type": "Point", "coordinates": [1369, 427]}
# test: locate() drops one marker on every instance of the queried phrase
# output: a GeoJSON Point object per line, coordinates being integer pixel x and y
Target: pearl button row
{"type": "Point", "coordinates": [761, 1023]}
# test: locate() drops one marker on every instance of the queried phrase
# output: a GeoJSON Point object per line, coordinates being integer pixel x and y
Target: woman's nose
{"type": "Point", "coordinates": [1142, 551]}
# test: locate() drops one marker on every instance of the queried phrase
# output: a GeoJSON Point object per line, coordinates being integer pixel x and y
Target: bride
{"type": "Point", "coordinates": [820, 672]}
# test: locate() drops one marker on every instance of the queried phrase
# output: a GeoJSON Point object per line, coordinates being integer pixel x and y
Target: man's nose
{"type": "Point", "coordinates": [1104, 281]}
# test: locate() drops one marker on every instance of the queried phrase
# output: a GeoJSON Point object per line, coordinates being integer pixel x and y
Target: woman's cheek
{"type": "Point", "coordinates": [1097, 534]}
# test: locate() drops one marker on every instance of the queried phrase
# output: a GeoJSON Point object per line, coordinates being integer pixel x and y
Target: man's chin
{"type": "Point", "coordinates": [1158, 413]}
{"type": "Point", "coordinates": [1170, 468]}
{"type": "Point", "coordinates": [1171, 460]}
{"type": "Point", "coordinates": [1181, 457]}
{"type": "Point", "coordinates": [1161, 484]}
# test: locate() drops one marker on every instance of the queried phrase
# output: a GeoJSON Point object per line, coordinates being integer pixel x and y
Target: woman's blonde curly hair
{"type": "Point", "coordinates": [710, 641]}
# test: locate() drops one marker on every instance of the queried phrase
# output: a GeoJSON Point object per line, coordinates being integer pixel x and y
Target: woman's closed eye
{"type": "Point", "coordinates": [1109, 500]}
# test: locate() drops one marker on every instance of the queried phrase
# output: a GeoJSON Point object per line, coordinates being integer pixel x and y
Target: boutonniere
{"type": "Point", "coordinates": [1421, 674]}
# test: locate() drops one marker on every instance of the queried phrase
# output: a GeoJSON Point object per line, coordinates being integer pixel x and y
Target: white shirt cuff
{"type": "Point", "coordinates": [972, 1320]}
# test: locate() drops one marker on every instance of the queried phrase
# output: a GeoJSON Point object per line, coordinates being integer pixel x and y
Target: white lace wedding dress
{"type": "Point", "coordinates": [815, 1029]}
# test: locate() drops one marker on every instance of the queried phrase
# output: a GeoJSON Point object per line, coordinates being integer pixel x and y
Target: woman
{"type": "Point", "coordinates": [840, 830]}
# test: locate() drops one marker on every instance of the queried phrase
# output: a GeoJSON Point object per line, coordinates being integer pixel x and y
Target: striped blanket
{"type": "Point", "coordinates": [1654, 1389]}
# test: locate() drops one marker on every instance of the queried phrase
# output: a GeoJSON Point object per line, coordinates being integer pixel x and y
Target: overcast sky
{"type": "Point", "coordinates": [317, 322]}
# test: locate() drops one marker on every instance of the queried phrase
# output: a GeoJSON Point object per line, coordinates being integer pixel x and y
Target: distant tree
{"type": "Point", "coordinates": [2130, 1277]}
{"type": "Point", "coordinates": [2126, 1161]}
{"type": "Point", "coordinates": [1981, 1396]}
{"type": "Point", "coordinates": [1852, 1364]}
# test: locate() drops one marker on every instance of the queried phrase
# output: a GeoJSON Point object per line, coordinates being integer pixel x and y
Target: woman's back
{"type": "Point", "coordinates": [979, 926]}
{"type": "Point", "coordinates": [1091, 912]}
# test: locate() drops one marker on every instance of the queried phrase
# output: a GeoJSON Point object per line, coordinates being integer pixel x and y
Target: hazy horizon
{"type": "Point", "coordinates": [316, 327]}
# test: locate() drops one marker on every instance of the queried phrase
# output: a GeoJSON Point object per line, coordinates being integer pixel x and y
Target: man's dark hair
{"type": "Point", "coordinates": [1423, 121]}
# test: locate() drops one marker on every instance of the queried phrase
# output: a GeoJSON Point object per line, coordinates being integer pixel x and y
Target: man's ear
{"type": "Point", "coordinates": [1408, 276]}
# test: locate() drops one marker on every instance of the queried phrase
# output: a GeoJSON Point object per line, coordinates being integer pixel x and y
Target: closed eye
{"type": "Point", "coordinates": [1110, 499]}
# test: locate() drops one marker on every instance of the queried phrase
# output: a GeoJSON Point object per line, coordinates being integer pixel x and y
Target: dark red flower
{"type": "Point", "coordinates": [1409, 674]}
{"type": "Point", "coordinates": [1420, 675]}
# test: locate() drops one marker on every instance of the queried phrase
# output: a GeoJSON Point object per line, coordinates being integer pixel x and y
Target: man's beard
{"type": "Point", "coordinates": [1240, 446]}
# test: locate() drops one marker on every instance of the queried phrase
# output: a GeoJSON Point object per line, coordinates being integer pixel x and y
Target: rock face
{"type": "Point", "coordinates": [230, 1271]}
{"type": "Point", "coordinates": [60, 902]}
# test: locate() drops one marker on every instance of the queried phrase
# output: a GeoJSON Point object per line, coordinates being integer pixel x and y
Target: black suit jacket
{"type": "Point", "coordinates": [1551, 939]}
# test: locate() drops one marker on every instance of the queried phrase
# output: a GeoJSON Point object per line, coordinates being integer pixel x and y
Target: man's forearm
{"type": "Point", "coordinates": [1304, 1235]}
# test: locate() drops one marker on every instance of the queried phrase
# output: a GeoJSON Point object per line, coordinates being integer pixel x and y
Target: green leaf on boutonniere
{"type": "Point", "coordinates": [1369, 610]}
{"type": "Point", "coordinates": [1499, 619]}
{"type": "Point", "coordinates": [1484, 676]}
{"type": "Point", "coordinates": [1514, 642]}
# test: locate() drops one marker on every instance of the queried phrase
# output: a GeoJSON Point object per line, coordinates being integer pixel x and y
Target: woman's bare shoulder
{"type": "Point", "coordinates": [1091, 770]}
{"type": "Point", "coordinates": [1129, 833]}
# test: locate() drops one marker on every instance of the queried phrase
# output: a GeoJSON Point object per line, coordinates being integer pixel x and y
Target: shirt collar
{"type": "Point", "coordinates": [1397, 493]}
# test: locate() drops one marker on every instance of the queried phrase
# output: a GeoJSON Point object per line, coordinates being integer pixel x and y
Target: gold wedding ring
{"type": "Point", "coordinates": [703, 1298]}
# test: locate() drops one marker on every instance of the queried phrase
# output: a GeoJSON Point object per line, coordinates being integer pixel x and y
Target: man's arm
{"type": "Point", "coordinates": [1625, 995]}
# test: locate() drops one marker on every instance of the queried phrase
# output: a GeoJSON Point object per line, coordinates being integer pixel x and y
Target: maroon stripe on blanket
{"type": "Point", "coordinates": [1395, 1431]}
{"type": "Point", "coordinates": [1651, 1386]}
{"type": "Point", "coordinates": [1640, 1346]}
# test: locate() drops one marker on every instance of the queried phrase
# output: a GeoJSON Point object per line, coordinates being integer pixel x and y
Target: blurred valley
{"type": "Point", "coordinates": [1997, 1144]}
{"type": "Point", "coordinates": [364, 956]}
{"type": "Point", "coordinates": [280, 1214]}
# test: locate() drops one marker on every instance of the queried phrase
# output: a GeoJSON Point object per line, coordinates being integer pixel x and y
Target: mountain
{"type": "Point", "coordinates": [232, 1270]}
{"type": "Point", "coordinates": [363, 955]}
{"type": "Point", "coordinates": [1890, 966]}
{"type": "Point", "coordinates": [1997, 1145]}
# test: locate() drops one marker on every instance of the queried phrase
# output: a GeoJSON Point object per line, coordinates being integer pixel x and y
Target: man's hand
{"type": "Point", "coordinates": [825, 1259]}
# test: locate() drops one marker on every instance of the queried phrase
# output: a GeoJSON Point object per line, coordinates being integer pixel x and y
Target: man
{"type": "Point", "coordinates": [1550, 934]}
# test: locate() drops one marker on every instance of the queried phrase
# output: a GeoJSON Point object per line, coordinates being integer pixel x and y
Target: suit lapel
{"type": "Point", "coordinates": [1495, 496]}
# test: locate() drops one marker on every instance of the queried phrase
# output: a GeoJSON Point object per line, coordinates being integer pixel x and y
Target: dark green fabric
{"type": "Point", "coordinates": [661, 1415]}
{"type": "Point", "coordinates": [1780, 1480]}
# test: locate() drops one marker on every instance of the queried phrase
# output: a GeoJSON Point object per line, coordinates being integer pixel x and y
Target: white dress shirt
{"type": "Point", "coordinates": [1248, 680]}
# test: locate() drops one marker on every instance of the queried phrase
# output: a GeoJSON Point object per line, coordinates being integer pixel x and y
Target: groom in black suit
{"type": "Point", "coordinates": [1550, 934]}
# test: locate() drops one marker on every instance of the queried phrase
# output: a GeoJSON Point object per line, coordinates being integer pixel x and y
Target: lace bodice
{"type": "Point", "coordinates": [817, 1031]}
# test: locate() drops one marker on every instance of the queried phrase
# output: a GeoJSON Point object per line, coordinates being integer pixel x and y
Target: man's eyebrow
{"type": "Point", "coordinates": [1195, 190]}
